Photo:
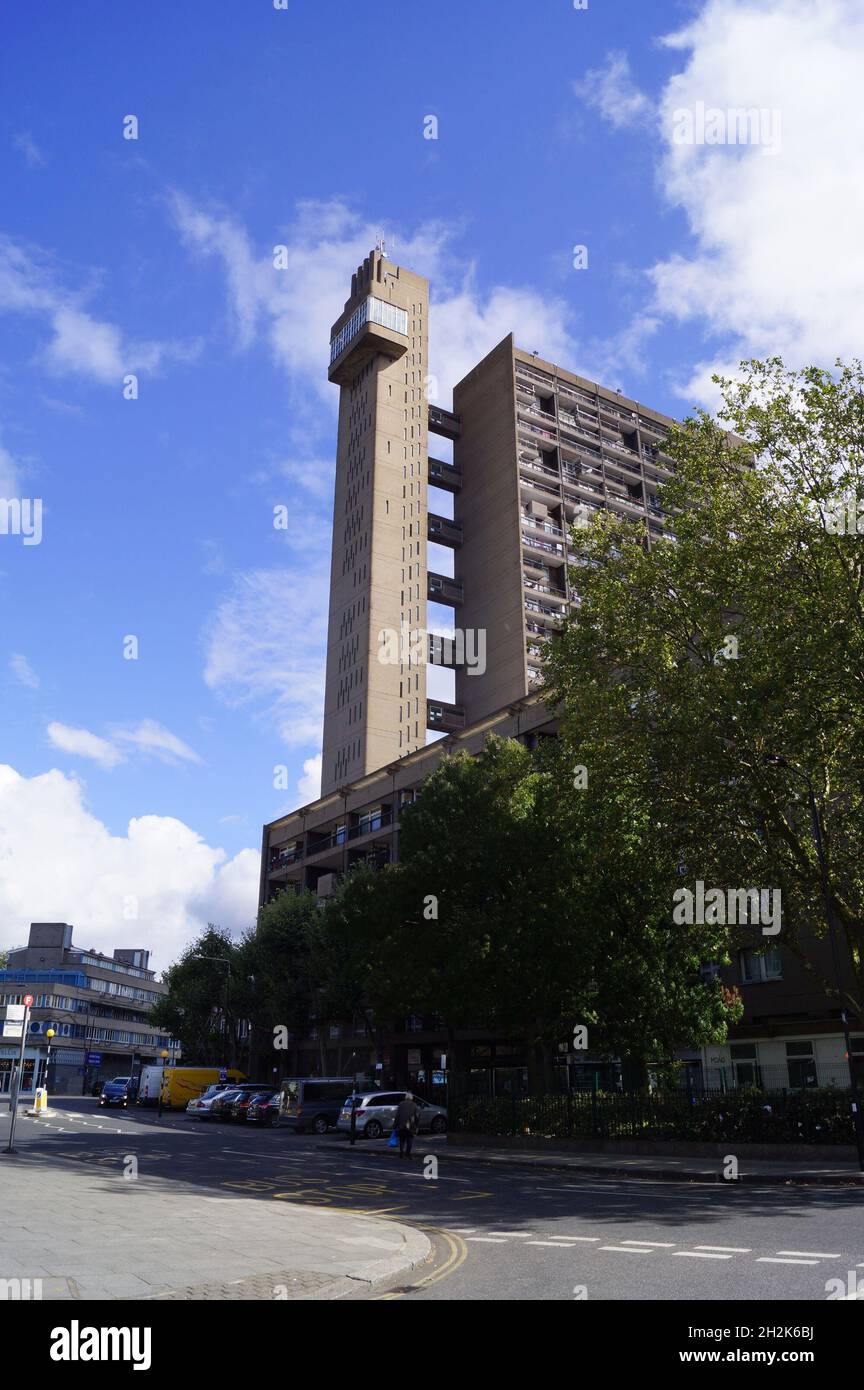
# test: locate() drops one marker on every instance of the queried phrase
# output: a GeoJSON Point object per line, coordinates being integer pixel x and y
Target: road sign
{"type": "Point", "coordinates": [93, 1059]}
{"type": "Point", "coordinates": [13, 1021]}
{"type": "Point", "coordinates": [28, 1001]}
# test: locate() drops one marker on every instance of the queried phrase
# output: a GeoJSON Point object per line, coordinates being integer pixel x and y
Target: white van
{"type": "Point", "coordinates": [149, 1086]}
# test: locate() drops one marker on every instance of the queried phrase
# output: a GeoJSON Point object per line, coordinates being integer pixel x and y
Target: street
{"type": "Point", "coordinates": [496, 1233]}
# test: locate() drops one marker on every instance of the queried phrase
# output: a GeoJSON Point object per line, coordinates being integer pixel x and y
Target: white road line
{"type": "Point", "coordinates": [698, 1255]}
{"type": "Point", "coordinates": [768, 1260]}
{"type": "Point", "coordinates": [487, 1240]}
{"type": "Point", "coordinates": [625, 1250]}
{"type": "Point", "coordinates": [810, 1254]}
{"type": "Point", "coordinates": [660, 1244]}
{"type": "Point", "coordinates": [587, 1240]}
{"type": "Point", "coordinates": [513, 1235]}
{"type": "Point", "coordinates": [550, 1244]}
{"type": "Point", "coordinates": [732, 1249]}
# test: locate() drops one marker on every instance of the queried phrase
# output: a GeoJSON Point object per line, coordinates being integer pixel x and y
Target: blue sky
{"type": "Point", "coordinates": [133, 791]}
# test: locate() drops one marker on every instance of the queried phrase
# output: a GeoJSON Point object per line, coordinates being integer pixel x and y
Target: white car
{"type": "Point", "coordinates": [375, 1113]}
{"type": "Point", "coordinates": [199, 1108]}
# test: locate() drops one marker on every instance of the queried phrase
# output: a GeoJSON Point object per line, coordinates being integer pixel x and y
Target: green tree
{"type": "Point", "coordinates": [203, 1006]}
{"type": "Point", "coordinates": [694, 661]}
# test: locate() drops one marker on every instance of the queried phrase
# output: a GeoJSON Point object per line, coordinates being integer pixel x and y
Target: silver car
{"type": "Point", "coordinates": [200, 1106]}
{"type": "Point", "coordinates": [376, 1111]}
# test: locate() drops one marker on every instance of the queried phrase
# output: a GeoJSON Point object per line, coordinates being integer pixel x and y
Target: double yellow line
{"type": "Point", "coordinates": [456, 1256]}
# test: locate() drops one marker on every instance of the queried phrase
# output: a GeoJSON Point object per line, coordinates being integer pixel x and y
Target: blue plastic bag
{"type": "Point", "coordinates": [393, 1142]}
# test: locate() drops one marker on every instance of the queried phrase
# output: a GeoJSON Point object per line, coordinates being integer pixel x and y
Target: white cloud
{"type": "Point", "coordinates": [148, 738]}
{"type": "Point", "coordinates": [265, 645]}
{"type": "Point", "coordinates": [151, 738]}
{"type": "Point", "coordinates": [82, 744]}
{"type": "Point", "coordinates": [778, 264]}
{"type": "Point", "coordinates": [23, 671]}
{"type": "Point", "coordinates": [58, 862]}
{"type": "Point", "coordinates": [309, 786]}
{"type": "Point", "coordinates": [26, 145]}
{"type": "Point", "coordinates": [80, 344]}
{"type": "Point", "coordinates": [294, 309]}
{"type": "Point", "coordinates": [611, 91]}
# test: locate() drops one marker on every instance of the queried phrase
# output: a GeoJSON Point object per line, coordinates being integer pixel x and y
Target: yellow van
{"type": "Point", "coordinates": [182, 1084]}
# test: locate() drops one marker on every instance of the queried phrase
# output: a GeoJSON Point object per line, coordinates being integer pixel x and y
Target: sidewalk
{"type": "Point", "coordinates": [819, 1173]}
{"type": "Point", "coordinates": [95, 1235]}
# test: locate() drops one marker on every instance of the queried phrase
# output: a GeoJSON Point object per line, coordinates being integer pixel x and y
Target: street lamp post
{"type": "Point", "coordinates": [776, 760]}
{"type": "Point", "coordinates": [49, 1033]}
{"type": "Point", "coordinates": [226, 961]}
{"type": "Point", "coordinates": [164, 1055]}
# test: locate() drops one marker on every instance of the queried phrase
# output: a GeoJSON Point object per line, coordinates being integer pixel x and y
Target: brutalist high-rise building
{"type": "Point", "coordinates": [528, 450]}
{"type": "Point", "coordinates": [534, 448]}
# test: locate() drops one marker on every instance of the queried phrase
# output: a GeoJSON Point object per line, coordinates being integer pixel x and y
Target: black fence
{"type": "Point", "coordinates": [798, 1117]}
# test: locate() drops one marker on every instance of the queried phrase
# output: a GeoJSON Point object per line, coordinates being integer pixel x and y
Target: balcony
{"type": "Point", "coordinates": [548, 527]}
{"type": "Point", "coordinates": [444, 531]}
{"type": "Point", "coordinates": [546, 438]}
{"type": "Point", "coordinates": [366, 825]}
{"type": "Point", "coordinates": [375, 326]}
{"type": "Point", "coordinates": [283, 859]}
{"type": "Point", "coordinates": [540, 487]}
{"type": "Point", "coordinates": [549, 547]}
{"type": "Point", "coordinates": [444, 475]}
{"type": "Point", "coordinates": [441, 589]}
{"type": "Point", "coordinates": [443, 717]}
{"type": "Point", "coordinates": [535, 466]}
{"type": "Point", "coordinates": [444, 422]}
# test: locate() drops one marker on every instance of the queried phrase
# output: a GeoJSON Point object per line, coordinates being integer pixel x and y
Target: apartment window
{"type": "Point", "coordinates": [744, 1064]}
{"type": "Point", "coordinates": [758, 967]}
{"type": "Point", "coordinates": [801, 1064]}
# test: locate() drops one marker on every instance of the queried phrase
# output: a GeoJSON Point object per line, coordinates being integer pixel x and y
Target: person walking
{"type": "Point", "coordinates": [405, 1123]}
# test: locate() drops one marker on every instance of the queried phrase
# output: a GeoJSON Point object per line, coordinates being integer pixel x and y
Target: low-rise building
{"type": "Point", "coordinates": [98, 1006]}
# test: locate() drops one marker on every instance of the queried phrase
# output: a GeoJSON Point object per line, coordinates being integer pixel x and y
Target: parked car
{"type": "Point", "coordinates": [265, 1109]}
{"type": "Point", "coordinates": [222, 1105]}
{"type": "Point", "coordinates": [120, 1090]}
{"type": "Point", "coordinates": [313, 1102]}
{"type": "Point", "coordinates": [200, 1107]}
{"type": "Point", "coordinates": [240, 1108]}
{"type": "Point", "coordinates": [376, 1111]}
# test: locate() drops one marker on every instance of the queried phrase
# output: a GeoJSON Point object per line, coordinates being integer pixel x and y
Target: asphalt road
{"type": "Point", "coordinates": [498, 1234]}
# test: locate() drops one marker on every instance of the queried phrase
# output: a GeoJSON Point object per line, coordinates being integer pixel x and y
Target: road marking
{"type": "Point", "coordinates": [659, 1244]}
{"type": "Point", "coordinates": [768, 1260]}
{"type": "Point", "coordinates": [488, 1240]}
{"type": "Point", "coordinates": [590, 1240]}
{"type": "Point", "coordinates": [550, 1244]}
{"type": "Point", "coordinates": [698, 1255]}
{"type": "Point", "coordinates": [624, 1250]}
{"type": "Point", "coordinates": [513, 1235]}
{"type": "Point", "coordinates": [810, 1254]}
{"type": "Point", "coordinates": [733, 1249]}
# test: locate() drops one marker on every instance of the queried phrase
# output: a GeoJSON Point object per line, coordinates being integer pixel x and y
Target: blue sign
{"type": "Point", "coordinates": [93, 1059]}
{"type": "Point", "coordinates": [223, 1074]}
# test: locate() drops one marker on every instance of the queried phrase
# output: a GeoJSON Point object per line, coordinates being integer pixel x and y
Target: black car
{"type": "Point", "coordinates": [120, 1090]}
{"type": "Point", "coordinates": [240, 1108]}
{"type": "Point", "coordinates": [223, 1106]}
{"type": "Point", "coordinates": [264, 1109]}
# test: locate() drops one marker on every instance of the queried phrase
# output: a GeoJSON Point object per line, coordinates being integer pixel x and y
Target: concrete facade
{"type": "Point", "coordinates": [96, 1004]}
